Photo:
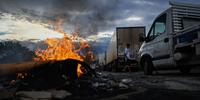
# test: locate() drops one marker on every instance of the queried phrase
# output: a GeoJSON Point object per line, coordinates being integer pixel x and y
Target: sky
{"type": "Point", "coordinates": [91, 18]}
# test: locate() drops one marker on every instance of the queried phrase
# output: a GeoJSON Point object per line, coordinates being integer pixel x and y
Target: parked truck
{"type": "Point", "coordinates": [113, 58]}
{"type": "Point", "coordinates": [173, 40]}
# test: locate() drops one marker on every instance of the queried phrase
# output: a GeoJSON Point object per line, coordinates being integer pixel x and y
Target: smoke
{"type": "Point", "coordinates": [87, 17]}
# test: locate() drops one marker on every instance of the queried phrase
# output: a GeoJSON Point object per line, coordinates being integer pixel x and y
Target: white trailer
{"type": "Point", "coordinates": [114, 55]}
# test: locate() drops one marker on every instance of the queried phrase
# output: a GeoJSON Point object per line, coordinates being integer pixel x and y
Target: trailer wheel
{"type": "Point", "coordinates": [185, 69]}
{"type": "Point", "coordinates": [147, 66]}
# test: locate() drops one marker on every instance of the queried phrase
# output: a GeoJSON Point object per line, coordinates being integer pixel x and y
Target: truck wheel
{"type": "Point", "coordinates": [148, 66]}
{"type": "Point", "coordinates": [185, 69]}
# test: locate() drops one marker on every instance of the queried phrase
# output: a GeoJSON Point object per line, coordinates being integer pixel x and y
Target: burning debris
{"type": "Point", "coordinates": [34, 77]}
{"type": "Point", "coordinates": [67, 47]}
{"type": "Point", "coordinates": [63, 67]}
{"type": "Point", "coordinates": [64, 64]}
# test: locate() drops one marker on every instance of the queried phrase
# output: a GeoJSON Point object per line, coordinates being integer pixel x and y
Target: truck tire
{"type": "Point", "coordinates": [147, 66]}
{"type": "Point", "coordinates": [185, 69]}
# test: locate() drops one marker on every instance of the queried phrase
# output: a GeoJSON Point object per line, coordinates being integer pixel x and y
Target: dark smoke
{"type": "Point", "coordinates": [84, 16]}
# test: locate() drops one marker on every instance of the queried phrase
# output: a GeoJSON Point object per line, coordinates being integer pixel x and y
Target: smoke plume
{"type": "Point", "coordinates": [83, 16]}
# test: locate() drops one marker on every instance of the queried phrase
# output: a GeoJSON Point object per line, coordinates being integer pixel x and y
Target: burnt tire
{"type": "Point", "coordinates": [185, 69]}
{"type": "Point", "coordinates": [147, 66]}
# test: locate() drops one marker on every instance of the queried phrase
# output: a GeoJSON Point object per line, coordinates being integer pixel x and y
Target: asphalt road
{"type": "Point", "coordinates": [164, 85]}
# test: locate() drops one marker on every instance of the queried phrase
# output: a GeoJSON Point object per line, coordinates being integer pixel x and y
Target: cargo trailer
{"type": "Point", "coordinates": [114, 55]}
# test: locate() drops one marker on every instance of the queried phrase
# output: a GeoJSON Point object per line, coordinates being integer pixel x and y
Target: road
{"type": "Point", "coordinates": [164, 85]}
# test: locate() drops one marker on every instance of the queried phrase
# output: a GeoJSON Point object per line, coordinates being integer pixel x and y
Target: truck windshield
{"type": "Point", "coordinates": [160, 25]}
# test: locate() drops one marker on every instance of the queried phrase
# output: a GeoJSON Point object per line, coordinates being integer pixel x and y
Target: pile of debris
{"type": "Point", "coordinates": [58, 80]}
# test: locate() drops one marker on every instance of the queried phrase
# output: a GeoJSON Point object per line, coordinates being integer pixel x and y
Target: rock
{"type": "Point", "coordinates": [113, 83]}
{"type": "Point", "coordinates": [60, 94]}
{"type": "Point", "coordinates": [34, 95]}
{"type": "Point", "coordinates": [126, 81]}
{"type": "Point", "coordinates": [123, 86]}
{"type": "Point", "coordinates": [100, 85]}
{"type": "Point", "coordinates": [96, 84]}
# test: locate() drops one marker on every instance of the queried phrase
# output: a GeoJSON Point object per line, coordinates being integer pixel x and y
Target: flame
{"type": "Point", "coordinates": [68, 47]}
{"type": "Point", "coordinates": [58, 49]}
{"type": "Point", "coordinates": [80, 71]}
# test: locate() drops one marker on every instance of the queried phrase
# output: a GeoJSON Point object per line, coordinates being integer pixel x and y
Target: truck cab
{"type": "Point", "coordinates": [179, 22]}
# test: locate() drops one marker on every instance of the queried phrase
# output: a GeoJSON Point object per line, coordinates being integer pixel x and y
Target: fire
{"type": "Point", "coordinates": [58, 49]}
{"type": "Point", "coordinates": [21, 75]}
{"type": "Point", "coordinates": [79, 70]}
{"type": "Point", "coordinates": [68, 47]}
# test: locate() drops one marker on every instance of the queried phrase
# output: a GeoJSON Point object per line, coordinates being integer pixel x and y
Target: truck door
{"type": "Point", "coordinates": [159, 39]}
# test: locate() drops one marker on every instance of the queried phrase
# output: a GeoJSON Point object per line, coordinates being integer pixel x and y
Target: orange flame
{"type": "Point", "coordinates": [63, 48]}
{"type": "Point", "coordinates": [58, 49]}
{"type": "Point", "coordinates": [79, 70]}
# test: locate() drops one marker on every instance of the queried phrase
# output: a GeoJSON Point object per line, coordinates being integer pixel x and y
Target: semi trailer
{"type": "Point", "coordinates": [113, 58]}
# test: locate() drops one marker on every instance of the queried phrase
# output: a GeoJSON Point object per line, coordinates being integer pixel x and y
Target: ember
{"type": "Point", "coordinates": [21, 75]}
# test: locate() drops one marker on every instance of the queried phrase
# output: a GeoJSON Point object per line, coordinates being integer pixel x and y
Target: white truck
{"type": "Point", "coordinates": [173, 40]}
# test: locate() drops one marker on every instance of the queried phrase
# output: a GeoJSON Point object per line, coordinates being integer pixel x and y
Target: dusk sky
{"type": "Point", "coordinates": [92, 17]}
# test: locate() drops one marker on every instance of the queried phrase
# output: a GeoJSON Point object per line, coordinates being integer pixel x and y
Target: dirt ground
{"type": "Point", "coordinates": [164, 85]}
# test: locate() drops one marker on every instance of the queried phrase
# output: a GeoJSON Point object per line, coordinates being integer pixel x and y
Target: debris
{"type": "Point", "coordinates": [113, 83]}
{"type": "Point", "coordinates": [123, 86]}
{"type": "Point", "coordinates": [126, 81]}
{"type": "Point", "coordinates": [34, 94]}
{"type": "Point", "coordinates": [154, 81]}
{"type": "Point", "coordinates": [44, 78]}
{"type": "Point", "coordinates": [105, 82]}
{"type": "Point", "coordinates": [60, 94]}
{"type": "Point", "coordinates": [5, 95]}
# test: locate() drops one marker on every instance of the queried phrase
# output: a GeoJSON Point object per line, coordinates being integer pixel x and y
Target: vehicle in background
{"type": "Point", "coordinates": [173, 40]}
{"type": "Point", "coordinates": [114, 59]}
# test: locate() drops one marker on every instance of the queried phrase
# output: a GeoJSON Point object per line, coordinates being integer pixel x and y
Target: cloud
{"type": "Point", "coordinates": [134, 18]}
{"type": "Point", "coordinates": [88, 15]}
{"type": "Point", "coordinates": [91, 17]}
{"type": "Point", "coordinates": [18, 29]}
{"type": "Point", "coordinates": [143, 2]}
